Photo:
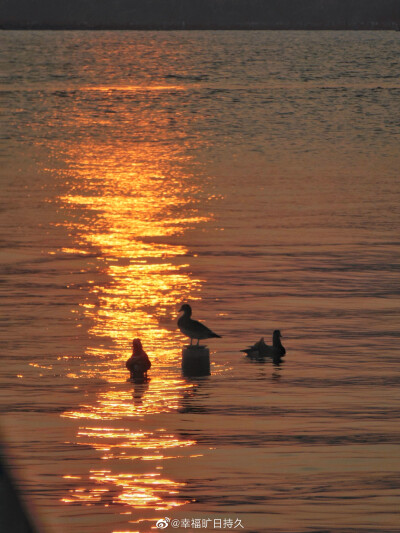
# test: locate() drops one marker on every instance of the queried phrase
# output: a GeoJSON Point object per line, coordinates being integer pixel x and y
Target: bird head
{"type": "Point", "coordinates": [136, 344]}
{"type": "Point", "coordinates": [186, 309]}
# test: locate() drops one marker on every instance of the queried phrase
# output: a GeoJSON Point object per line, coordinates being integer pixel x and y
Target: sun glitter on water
{"type": "Point", "coordinates": [128, 211]}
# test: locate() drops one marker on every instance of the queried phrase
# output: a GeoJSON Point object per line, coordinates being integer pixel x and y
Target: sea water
{"type": "Point", "coordinates": [254, 175]}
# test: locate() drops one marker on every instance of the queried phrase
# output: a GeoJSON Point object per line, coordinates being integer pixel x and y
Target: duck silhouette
{"type": "Point", "coordinates": [139, 363]}
{"type": "Point", "coordinates": [192, 328]}
{"type": "Point", "coordinates": [260, 349]}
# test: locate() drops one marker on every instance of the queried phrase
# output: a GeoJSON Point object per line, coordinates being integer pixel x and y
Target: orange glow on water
{"type": "Point", "coordinates": [122, 438]}
{"type": "Point", "coordinates": [129, 207]}
{"type": "Point", "coordinates": [133, 88]}
{"type": "Point", "coordinates": [141, 491]}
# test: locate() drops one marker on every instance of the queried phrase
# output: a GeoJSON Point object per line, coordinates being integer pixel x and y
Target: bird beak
{"type": "Point", "coordinates": [181, 309]}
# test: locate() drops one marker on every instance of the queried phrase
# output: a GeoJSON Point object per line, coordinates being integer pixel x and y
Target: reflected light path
{"type": "Point", "coordinates": [127, 208]}
{"type": "Point", "coordinates": [141, 491]}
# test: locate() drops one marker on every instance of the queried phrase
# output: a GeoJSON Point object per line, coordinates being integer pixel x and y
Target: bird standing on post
{"type": "Point", "coordinates": [192, 328]}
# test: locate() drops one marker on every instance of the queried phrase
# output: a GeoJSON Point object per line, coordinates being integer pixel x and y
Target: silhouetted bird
{"type": "Point", "coordinates": [260, 349]}
{"type": "Point", "coordinates": [192, 328]}
{"type": "Point", "coordinates": [139, 363]}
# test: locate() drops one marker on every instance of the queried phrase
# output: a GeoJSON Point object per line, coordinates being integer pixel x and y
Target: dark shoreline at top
{"type": "Point", "coordinates": [65, 27]}
{"type": "Point", "coordinates": [173, 15]}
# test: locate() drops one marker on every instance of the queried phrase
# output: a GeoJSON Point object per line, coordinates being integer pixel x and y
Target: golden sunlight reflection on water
{"type": "Point", "coordinates": [141, 491]}
{"type": "Point", "coordinates": [130, 203]}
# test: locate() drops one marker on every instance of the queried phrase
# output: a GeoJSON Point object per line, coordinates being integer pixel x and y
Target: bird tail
{"type": "Point", "coordinates": [215, 335]}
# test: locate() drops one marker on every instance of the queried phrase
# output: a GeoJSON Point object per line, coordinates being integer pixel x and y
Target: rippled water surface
{"type": "Point", "coordinates": [254, 175]}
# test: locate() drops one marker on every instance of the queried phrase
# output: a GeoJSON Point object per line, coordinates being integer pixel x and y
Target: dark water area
{"type": "Point", "coordinates": [254, 175]}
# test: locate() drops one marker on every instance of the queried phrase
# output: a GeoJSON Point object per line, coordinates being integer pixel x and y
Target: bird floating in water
{"type": "Point", "coordinates": [192, 328]}
{"type": "Point", "coordinates": [260, 349]}
{"type": "Point", "coordinates": [139, 363]}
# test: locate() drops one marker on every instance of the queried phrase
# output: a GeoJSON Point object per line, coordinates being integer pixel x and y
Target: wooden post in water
{"type": "Point", "coordinates": [196, 361]}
